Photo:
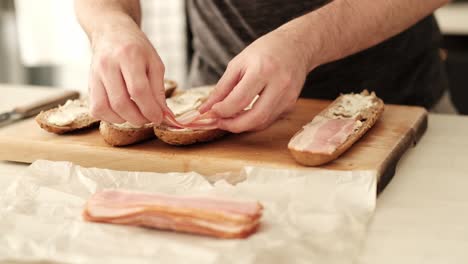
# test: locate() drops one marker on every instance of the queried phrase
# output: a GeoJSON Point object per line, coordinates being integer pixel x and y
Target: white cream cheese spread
{"type": "Point", "coordinates": [351, 105]}
{"type": "Point", "coordinates": [189, 100]}
{"type": "Point", "coordinates": [357, 125]}
{"type": "Point", "coordinates": [68, 113]}
{"type": "Point", "coordinates": [130, 126]}
{"type": "Point", "coordinates": [175, 129]}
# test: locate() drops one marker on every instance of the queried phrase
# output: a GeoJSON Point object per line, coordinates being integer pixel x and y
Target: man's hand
{"type": "Point", "coordinates": [276, 65]}
{"type": "Point", "coordinates": [126, 81]}
{"type": "Point", "coordinates": [127, 75]}
{"type": "Point", "coordinates": [272, 67]}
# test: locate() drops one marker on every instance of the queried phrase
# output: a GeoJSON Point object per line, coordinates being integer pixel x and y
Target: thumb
{"type": "Point", "coordinates": [222, 89]}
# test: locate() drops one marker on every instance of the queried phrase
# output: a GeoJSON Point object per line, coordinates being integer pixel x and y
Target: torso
{"type": "Point", "coordinates": [405, 69]}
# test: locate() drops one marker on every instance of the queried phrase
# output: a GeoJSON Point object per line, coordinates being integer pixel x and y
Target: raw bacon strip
{"type": "Point", "coordinates": [171, 121]}
{"type": "Point", "coordinates": [323, 135]}
{"type": "Point", "coordinates": [122, 198]}
{"type": "Point", "coordinates": [330, 135]}
{"type": "Point", "coordinates": [215, 217]}
{"type": "Point", "coordinates": [206, 117]}
{"type": "Point", "coordinates": [195, 120]}
{"type": "Point", "coordinates": [192, 120]}
{"type": "Point", "coordinates": [187, 225]}
{"type": "Point", "coordinates": [188, 117]}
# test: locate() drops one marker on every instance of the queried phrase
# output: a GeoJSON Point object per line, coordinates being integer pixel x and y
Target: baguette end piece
{"type": "Point", "coordinates": [82, 122]}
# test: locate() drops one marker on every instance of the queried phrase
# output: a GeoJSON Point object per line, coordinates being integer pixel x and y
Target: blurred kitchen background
{"type": "Point", "coordinates": [42, 44]}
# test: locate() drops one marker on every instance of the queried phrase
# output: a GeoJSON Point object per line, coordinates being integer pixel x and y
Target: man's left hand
{"type": "Point", "coordinates": [273, 67]}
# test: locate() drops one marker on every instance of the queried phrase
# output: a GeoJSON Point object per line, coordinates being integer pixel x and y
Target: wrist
{"type": "Point", "coordinates": [294, 49]}
{"type": "Point", "coordinates": [307, 42]}
{"type": "Point", "coordinates": [112, 22]}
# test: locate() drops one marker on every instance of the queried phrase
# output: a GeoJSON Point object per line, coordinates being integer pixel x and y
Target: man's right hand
{"type": "Point", "coordinates": [127, 75]}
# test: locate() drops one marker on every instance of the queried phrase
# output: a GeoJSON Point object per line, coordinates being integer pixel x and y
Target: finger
{"type": "Point", "coordinates": [286, 104]}
{"type": "Point", "coordinates": [140, 91]}
{"type": "Point", "coordinates": [262, 114]}
{"type": "Point", "coordinates": [99, 103]}
{"type": "Point", "coordinates": [290, 108]}
{"type": "Point", "coordinates": [241, 96]}
{"type": "Point", "coordinates": [119, 99]}
{"type": "Point", "coordinates": [155, 73]}
{"type": "Point", "coordinates": [224, 86]}
{"type": "Point", "coordinates": [275, 115]}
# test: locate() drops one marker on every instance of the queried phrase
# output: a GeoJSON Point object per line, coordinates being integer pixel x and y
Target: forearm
{"type": "Point", "coordinates": [96, 16]}
{"type": "Point", "coordinates": [345, 27]}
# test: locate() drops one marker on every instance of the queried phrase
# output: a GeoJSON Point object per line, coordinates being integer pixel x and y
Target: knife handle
{"type": "Point", "coordinates": [45, 104]}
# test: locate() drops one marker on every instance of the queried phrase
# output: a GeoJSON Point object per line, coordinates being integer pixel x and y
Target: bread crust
{"type": "Point", "coordinates": [368, 117]}
{"type": "Point", "coordinates": [82, 122]}
{"type": "Point", "coordinates": [169, 86]}
{"type": "Point", "coordinates": [120, 136]}
{"type": "Point", "coordinates": [86, 121]}
{"type": "Point", "coordinates": [187, 137]}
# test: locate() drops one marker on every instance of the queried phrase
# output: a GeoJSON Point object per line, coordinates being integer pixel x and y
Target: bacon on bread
{"type": "Point", "coordinates": [336, 128]}
{"type": "Point", "coordinates": [187, 126]}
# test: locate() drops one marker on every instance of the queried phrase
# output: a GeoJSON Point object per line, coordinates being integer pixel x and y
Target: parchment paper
{"type": "Point", "coordinates": [309, 217]}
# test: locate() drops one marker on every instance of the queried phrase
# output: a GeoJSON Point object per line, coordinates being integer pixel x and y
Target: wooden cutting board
{"type": "Point", "coordinates": [399, 128]}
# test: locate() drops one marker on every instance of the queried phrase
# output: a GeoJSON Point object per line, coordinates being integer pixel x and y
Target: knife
{"type": "Point", "coordinates": [25, 111]}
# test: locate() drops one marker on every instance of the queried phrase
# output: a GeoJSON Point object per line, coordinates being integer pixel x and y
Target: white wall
{"type": "Point", "coordinates": [11, 70]}
{"type": "Point", "coordinates": [50, 35]}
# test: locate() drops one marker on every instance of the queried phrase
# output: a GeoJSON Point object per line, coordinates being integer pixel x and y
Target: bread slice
{"type": "Point", "coordinates": [169, 87]}
{"type": "Point", "coordinates": [124, 134]}
{"type": "Point", "coordinates": [181, 137]}
{"type": "Point", "coordinates": [118, 135]}
{"type": "Point", "coordinates": [47, 119]}
{"type": "Point", "coordinates": [364, 114]}
{"type": "Point", "coordinates": [182, 102]}
{"type": "Point", "coordinates": [80, 121]}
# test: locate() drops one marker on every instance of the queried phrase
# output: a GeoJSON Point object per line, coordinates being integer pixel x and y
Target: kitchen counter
{"type": "Point", "coordinates": [421, 216]}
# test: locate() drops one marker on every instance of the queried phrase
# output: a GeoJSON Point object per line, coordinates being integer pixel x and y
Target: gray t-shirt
{"type": "Point", "coordinates": [405, 69]}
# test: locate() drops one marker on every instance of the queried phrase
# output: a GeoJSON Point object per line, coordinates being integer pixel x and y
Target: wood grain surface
{"type": "Point", "coordinates": [379, 150]}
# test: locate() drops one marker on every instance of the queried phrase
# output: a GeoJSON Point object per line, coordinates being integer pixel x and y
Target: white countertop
{"type": "Point", "coordinates": [421, 216]}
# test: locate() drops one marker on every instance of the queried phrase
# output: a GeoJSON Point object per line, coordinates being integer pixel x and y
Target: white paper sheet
{"type": "Point", "coordinates": [318, 217]}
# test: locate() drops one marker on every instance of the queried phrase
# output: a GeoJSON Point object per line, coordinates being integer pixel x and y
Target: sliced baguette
{"type": "Point", "coordinates": [170, 86]}
{"type": "Point", "coordinates": [367, 116]}
{"type": "Point", "coordinates": [117, 135]}
{"type": "Point", "coordinates": [81, 121]}
{"type": "Point", "coordinates": [181, 137]}
{"type": "Point", "coordinates": [122, 135]}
